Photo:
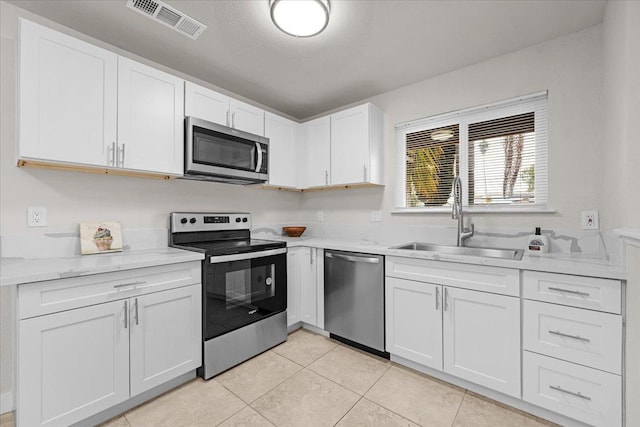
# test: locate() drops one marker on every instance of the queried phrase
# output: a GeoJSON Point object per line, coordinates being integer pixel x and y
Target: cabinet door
{"type": "Point", "coordinates": [68, 95]}
{"type": "Point", "coordinates": [150, 118]}
{"type": "Point", "coordinates": [308, 287]}
{"type": "Point", "coordinates": [317, 149]}
{"type": "Point", "coordinates": [414, 321]}
{"type": "Point", "coordinates": [282, 134]}
{"type": "Point", "coordinates": [166, 336]}
{"type": "Point", "coordinates": [293, 284]}
{"type": "Point", "coordinates": [206, 104]}
{"type": "Point", "coordinates": [350, 146]}
{"type": "Point", "coordinates": [246, 117]}
{"type": "Point", "coordinates": [482, 338]}
{"type": "Point", "coordinates": [72, 364]}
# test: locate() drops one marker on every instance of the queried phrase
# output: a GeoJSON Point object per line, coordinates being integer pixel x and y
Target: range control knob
{"type": "Point", "coordinates": [245, 219]}
{"type": "Point", "coordinates": [192, 220]}
{"type": "Point", "coordinates": [238, 219]}
{"type": "Point", "coordinates": [183, 221]}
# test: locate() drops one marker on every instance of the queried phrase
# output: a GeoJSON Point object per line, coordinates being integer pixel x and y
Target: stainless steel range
{"type": "Point", "coordinates": [244, 286]}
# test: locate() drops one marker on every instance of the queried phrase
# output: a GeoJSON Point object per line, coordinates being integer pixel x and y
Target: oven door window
{"type": "Point", "coordinates": [218, 149]}
{"type": "Point", "coordinates": [238, 293]}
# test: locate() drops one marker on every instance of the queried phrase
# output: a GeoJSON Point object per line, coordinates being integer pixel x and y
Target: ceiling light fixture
{"type": "Point", "coordinates": [442, 135]}
{"type": "Point", "coordinates": [300, 18]}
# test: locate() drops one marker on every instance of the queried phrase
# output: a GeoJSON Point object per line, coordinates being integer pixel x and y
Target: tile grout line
{"type": "Point", "coordinates": [391, 365]}
{"type": "Point", "coordinates": [459, 407]}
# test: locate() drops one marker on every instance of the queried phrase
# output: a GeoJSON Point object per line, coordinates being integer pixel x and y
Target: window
{"type": "Point", "coordinates": [499, 151]}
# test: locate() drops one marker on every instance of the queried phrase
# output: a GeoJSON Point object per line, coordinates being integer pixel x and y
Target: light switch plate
{"type": "Point", "coordinates": [590, 220]}
{"type": "Point", "coordinates": [376, 216]}
{"type": "Point", "coordinates": [320, 216]}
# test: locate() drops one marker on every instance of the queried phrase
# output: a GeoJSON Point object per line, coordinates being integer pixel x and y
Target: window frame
{"type": "Point", "coordinates": [537, 103]}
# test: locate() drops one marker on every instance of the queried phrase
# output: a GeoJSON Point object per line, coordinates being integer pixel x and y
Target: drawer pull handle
{"type": "Point", "coordinates": [137, 323]}
{"type": "Point", "coordinates": [572, 393]}
{"type": "Point", "coordinates": [437, 298]}
{"type": "Point", "coordinates": [575, 337]}
{"type": "Point", "coordinates": [569, 291]}
{"type": "Point", "coordinates": [124, 285]}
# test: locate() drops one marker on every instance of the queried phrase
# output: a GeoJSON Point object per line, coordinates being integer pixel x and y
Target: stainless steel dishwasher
{"type": "Point", "coordinates": [354, 299]}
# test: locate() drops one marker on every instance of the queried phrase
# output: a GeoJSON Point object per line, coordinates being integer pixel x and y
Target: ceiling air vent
{"type": "Point", "coordinates": [169, 16]}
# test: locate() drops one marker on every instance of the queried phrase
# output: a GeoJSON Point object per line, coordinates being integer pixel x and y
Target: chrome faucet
{"type": "Point", "coordinates": [456, 212]}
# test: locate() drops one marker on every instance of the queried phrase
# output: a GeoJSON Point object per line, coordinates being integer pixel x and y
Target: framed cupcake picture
{"type": "Point", "coordinates": [100, 237]}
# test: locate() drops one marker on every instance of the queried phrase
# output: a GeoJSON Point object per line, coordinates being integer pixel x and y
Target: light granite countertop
{"type": "Point", "coordinates": [16, 271]}
{"type": "Point", "coordinates": [566, 263]}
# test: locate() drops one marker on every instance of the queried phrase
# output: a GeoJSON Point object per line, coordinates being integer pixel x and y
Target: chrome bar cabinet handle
{"type": "Point", "coordinates": [569, 291]}
{"type": "Point", "coordinates": [122, 156]}
{"type": "Point", "coordinates": [137, 322]}
{"type": "Point", "coordinates": [572, 393]}
{"type": "Point", "coordinates": [575, 337]}
{"type": "Point", "coordinates": [124, 285]}
{"type": "Point", "coordinates": [437, 297]}
{"type": "Point", "coordinates": [126, 314]}
{"type": "Point", "coordinates": [446, 299]}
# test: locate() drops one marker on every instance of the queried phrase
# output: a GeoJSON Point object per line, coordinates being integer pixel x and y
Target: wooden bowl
{"type": "Point", "coordinates": [293, 231]}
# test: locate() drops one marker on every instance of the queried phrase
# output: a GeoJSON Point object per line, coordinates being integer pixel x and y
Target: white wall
{"type": "Point", "coordinates": [570, 68]}
{"type": "Point", "coordinates": [621, 145]}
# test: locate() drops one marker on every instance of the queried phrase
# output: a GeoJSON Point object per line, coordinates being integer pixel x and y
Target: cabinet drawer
{"type": "Point", "coordinates": [576, 335]}
{"type": "Point", "coordinates": [588, 395]}
{"type": "Point", "coordinates": [497, 280]}
{"type": "Point", "coordinates": [36, 299]}
{"type": "Point", "coordinates": [576, 291]}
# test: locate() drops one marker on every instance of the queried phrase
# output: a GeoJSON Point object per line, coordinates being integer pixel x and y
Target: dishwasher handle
{"type": "Point", "coordinates": [354, 258]}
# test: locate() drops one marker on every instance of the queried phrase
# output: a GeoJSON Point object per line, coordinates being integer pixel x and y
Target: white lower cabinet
{"type": "Point", "coordinates": [470, 334]}
{"type": "Point", "coordinates": [482, 338]}
{"type": "Point", "coordinates": [303, 302]}
{"type": "Point", "coordinates": [165, 336]}
{"type": "Point", "coordinates": [72, 364]}
{"type": "Point", "coordinates": [414, 321]}
{"type": "Point", "coordinates": [79, 361]}
{"type": "Point", "coordinates": [573, 339]}
{"type": "Point", "coordinates": [585, 394]}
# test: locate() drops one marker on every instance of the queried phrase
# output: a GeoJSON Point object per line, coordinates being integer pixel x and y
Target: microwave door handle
{"type": "Point", "coordinates": [259, 157]}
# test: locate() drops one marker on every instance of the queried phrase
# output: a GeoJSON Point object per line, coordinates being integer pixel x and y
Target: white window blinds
{"type": "Point", "coordinates": [499, 151]}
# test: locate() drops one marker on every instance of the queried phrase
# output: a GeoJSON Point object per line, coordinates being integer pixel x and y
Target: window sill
{"type": "Point", "coordinates": [474, 210]}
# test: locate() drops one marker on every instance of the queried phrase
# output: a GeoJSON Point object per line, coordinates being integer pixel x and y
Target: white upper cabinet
{"type": "Point", "coordinates": [246, 117]}
{"type": "Point", "coordinates": [215, 107]}
{"type": "Point", "coordinates": [150, 119]}
{"type": "Point", "coordinates": [316, 156]}
{"type": "Point", "coordinates": [283, 149]}
{"type": "Point", "coordinates": [83, 105]}
{"type": "Point", "coordinates": [206, 104]}
{"type": "Point", "coordinates": [357, 146]}
{"type": "Point", "coordinates": [68, 95]}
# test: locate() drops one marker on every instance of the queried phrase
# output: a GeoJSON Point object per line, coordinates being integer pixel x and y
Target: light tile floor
{"type": "Point", "coordinates": [311, 380]}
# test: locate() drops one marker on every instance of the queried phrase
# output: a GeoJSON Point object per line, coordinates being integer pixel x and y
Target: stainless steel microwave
{"type": "Point", "coordinates": [219, 153]}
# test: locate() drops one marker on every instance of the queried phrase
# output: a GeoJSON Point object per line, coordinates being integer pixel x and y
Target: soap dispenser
{"type": "Point", "coordinates": [538, 243]}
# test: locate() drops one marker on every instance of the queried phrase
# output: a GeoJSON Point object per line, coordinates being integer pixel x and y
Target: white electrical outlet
{"type": "Point", "coordinates": [376, 216]}
{"type": "Point", "coordinates": [36, 217]}
{"type": "Point", "coordinates": [590, 220]}
{"type": "Point", "coordinates": [320, 216]}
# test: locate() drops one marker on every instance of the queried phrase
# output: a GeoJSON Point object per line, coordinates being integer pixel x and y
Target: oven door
{"type": "Point", "coordinates": [243, 288]}
{"type": "Point", "coordinates": [216, 150]}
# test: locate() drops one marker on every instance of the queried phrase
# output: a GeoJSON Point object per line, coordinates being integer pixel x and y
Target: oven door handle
{"type": "Point", "coordinates": [247, 255]}
{"type": "Point", "coordinates": [259, 157]}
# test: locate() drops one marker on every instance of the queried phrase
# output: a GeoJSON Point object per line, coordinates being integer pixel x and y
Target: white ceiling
{"type": "Point", "coordinates": [368, 48]}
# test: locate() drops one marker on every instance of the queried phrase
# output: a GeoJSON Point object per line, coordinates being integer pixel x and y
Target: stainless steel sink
{"type": "Point", "coordinates": [514, 254]}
